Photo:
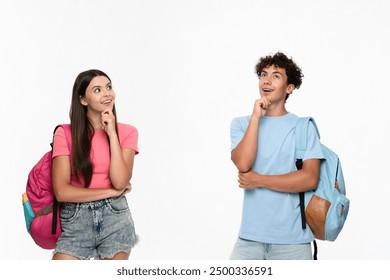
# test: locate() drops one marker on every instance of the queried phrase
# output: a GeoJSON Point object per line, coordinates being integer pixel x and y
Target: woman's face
{"type": "Point", "coordinates": [99, 95]}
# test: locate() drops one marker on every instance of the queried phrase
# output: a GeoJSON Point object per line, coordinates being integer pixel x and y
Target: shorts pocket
{"type": "Point", "coordinates": [118, 204]}
{"type": "Point", "coordinates": [69, 211]}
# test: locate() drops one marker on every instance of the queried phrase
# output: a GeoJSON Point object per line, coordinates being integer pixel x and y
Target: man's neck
{"type": "Point", "coordinates": [276, 111]}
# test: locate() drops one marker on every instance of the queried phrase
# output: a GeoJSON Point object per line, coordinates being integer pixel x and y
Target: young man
{"type": "Point", "coordinates": [263, 150]}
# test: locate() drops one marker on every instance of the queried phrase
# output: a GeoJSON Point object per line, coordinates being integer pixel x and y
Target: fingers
{"type": "Point", "coordinates": [242, 183]}
{"type": "Point", "coordinates": [128, 188]}
{"type": "Point", "coordinates": [264, 103]}
{"type": "Point", "coordinates": [261, 106]}
{"type": "Point", "coordinates": [245, 180]}
{"type": "Point", "coordinates": [126, 191]}
{"type": "Point", "coordinates": [107, 117]}
{"type": "Point", "coordinates": [106, 114]}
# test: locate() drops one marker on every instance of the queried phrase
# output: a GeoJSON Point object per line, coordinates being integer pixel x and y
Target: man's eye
{"type": "Point", "coordinates": [277, 76]}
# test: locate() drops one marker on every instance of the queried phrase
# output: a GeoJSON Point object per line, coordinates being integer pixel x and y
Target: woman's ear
{"type": "Point", "coordinates": [83, 101]}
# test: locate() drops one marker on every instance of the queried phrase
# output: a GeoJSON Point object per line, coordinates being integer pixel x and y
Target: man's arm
{"type": "Point", "coordinates": [297, 181]}
{"type": "Point", "coordinates": [244, 154]}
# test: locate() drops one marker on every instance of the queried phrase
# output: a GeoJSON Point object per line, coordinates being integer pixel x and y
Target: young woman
{"type": "Point", "coordinates": [92, 175]}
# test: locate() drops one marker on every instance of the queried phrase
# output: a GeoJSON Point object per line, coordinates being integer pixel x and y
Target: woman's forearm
{"type": "Point", "coordinates": [121, 164]}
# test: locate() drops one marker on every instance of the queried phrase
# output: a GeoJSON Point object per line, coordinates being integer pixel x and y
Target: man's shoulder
{"type": "Point", "coordinates": [241, 119]}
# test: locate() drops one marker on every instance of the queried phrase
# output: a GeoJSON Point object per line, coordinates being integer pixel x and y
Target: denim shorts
{"type": "Point", "coordinates": [254, 250]}
{"type": "Point", "coordinates": [98, 229]}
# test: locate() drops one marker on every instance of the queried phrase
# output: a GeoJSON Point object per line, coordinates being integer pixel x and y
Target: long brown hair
{"type": "Point", "coordinates": [82, 129]}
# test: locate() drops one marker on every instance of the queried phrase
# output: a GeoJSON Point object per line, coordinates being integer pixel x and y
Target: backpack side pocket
{"type": "Point", "coordinates": [28, 212]}
{"type": "Point", "coordinates": [336, 217]}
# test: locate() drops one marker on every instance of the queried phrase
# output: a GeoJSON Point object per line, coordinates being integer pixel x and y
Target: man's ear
{"type": "Point", "coordinates": [290, 88]}
{"type": "Point", "coordinates": [83, 101]}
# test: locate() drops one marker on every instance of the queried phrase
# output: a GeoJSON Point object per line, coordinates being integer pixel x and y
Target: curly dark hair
{"type": "Point", "coordinates": [279, 59]}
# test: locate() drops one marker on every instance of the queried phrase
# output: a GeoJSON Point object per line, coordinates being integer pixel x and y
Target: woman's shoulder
{"type": "Point", "coordinates": [125, 126]}
{"type": "Point", "coordinates": [126, 129]}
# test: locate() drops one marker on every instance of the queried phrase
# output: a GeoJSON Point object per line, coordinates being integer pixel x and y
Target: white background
{"type": "Point", "coordinates": [182, 70]}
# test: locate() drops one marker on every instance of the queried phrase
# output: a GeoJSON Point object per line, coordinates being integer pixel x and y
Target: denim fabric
{"type": "Point", "coordinates": [253, 250]}
{"type": "Point", "coordinates": [98, 229]}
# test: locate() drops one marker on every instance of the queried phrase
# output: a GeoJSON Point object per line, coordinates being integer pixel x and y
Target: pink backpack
{"type": "Point", "coordinates": [41, 211]}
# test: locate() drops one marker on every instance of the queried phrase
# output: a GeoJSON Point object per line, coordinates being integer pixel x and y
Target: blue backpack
{"type": "Point", "coordinates": [326, 208]}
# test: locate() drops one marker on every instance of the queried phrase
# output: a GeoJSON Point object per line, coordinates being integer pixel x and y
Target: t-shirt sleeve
{"type": "Point", "coordinates": [313, 149]}
{"type": "Point", "coordinates": [237, 132]}
{"type": "Point", "coordinates": [129, 138]}
{"type": "Point", "coordinates": [60, 146]}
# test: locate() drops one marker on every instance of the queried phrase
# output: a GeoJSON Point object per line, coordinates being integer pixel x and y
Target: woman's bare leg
{"type": "Point", "coordinates": [119, 256]}
{"type": "Point", "coordinates": [60, 256]}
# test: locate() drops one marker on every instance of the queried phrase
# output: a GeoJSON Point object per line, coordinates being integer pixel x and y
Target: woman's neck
{"type": "Point", "coordinates": [96, 121]}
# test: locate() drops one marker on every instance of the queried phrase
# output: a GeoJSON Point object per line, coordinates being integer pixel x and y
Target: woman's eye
{"type": "Point", "coordinates": [97, 90]}
{"type": "Point", "coordinates": [109, 87]}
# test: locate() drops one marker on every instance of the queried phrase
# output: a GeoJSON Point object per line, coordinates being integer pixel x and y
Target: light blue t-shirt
{"type": "Point", "coordinates": [270, 216]}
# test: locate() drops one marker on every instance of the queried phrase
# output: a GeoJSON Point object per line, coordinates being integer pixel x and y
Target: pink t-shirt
{"type": "Point", "coordinates": [100, 156]}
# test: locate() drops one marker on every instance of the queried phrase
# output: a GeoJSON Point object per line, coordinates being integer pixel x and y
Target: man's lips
{"type": "Point", "coordinates": [267, 91]}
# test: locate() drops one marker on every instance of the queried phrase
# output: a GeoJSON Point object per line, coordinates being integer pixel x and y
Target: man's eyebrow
{"type": "Point", "coordinates": [274, 72]}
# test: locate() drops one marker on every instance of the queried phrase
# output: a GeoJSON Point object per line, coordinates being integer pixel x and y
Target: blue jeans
{"type": "Point", "coordinates": [253, 250]}
{"type": "Point", "coordinates": [98, 229]}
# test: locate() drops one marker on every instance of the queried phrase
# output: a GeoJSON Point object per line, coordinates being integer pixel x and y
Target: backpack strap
{"type": "Point", "coordinates": [315, 250]}
{"type": "Point", "coordinates": [68, 136]}
{"type": "Point", "coordinates": [300, 148]}
{"type": "Point", "coordinates": [301, 131]}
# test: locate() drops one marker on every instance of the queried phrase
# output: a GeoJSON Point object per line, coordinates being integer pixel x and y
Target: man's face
{"type": "Point", "coordinates": [273, 84]}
